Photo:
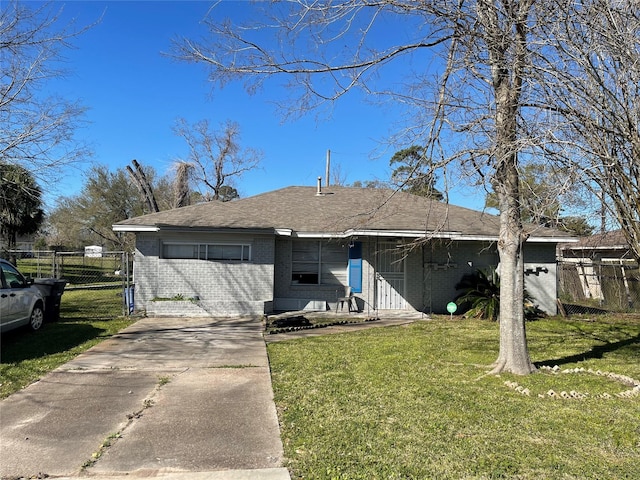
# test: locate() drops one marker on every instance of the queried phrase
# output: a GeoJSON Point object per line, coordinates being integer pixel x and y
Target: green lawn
{"type": "Point", "coordinates": [96, 303]}
{"type": "Point", "coordinates": [414, 403]}
{"type": "Point", "coordinates": [26, 356]}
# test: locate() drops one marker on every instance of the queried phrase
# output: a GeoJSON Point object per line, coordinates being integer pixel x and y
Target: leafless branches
{"type": "Point", "coordinates": [216, 157]}
{"type": "Point", "coordinates": [593, 88]}
{"type": "Point", "coordinates": [322, 50]}
{"type": "Point", "coordinates": [36, 130]}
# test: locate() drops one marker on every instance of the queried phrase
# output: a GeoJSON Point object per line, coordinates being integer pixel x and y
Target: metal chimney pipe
{"type": "Point", "coordinates": [319, 190]}
{"type": "Point", "coordinates": [328, 168]}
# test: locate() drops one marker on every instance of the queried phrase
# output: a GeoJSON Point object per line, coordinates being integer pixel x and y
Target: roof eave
{"type": "Point", "coordinates": [373, 233]}
{"type": "Point", "coordinates": [135, 228]}
{"type": "Point", "coordinates": [600, 247]}
{"type": "Point", "coordinates": [194, 229]}
{"type": "Point", "coordinates": [552, 240]}
{"type": "Point", "coordinates": [287, 232]}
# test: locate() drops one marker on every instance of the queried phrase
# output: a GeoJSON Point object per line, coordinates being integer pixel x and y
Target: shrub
{"type": "Point", "coordinates": [480, 296]}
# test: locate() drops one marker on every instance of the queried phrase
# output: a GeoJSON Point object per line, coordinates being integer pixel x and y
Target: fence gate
{"type": "Point", "coordinates": [98, 285]}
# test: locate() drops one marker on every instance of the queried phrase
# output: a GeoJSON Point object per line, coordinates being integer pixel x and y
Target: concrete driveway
{"type": "Point", "coordinates": [167, 397]}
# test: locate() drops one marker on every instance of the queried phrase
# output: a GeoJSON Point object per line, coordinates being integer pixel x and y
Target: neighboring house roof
{"type": "Point", "coordinates": [335, 212]}
{"type": "Point", "coordinates": [614, 239]}
{"type": "Point", "coordinates": [613, 244]}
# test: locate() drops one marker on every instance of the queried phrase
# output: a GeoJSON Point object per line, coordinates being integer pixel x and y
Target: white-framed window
{"type": "Point", "coordinates": [207, 251]}
{"type": "Point", "coordinates": [314, 262]}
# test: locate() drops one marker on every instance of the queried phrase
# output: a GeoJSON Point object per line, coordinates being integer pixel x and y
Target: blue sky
{"type": "Point", "coordinates": [135, 94]}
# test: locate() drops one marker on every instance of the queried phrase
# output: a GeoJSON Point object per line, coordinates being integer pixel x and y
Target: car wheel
{"type": "Point", "coordinates": [37, 318]}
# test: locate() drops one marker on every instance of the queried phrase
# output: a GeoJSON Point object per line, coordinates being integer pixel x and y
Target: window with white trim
{"type": "Point", "coordinates": [314, 262]}
{"type": "Point", "coordinates": [207, 251]}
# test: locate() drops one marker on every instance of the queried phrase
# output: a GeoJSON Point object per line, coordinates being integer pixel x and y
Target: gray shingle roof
{"type": "Point", "coordinates": [614, 239]}
{"type": "Point", "coordinates": [337, 211]}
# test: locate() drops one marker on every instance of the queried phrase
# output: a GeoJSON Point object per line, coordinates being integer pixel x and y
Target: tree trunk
{"type": "Point", "coordinates": [141, 181]}
{"type": "Point", "coordinates": [181, 185]}
{"type": "Point", "coordinates": [12, 238]}
{"type": "Point", "coordinates": [507, 74]}
{"type": "Point", "coordinates": [514, 353]}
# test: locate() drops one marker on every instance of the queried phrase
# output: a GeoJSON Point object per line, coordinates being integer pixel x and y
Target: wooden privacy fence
{"type": "Point", "coordinates": [591, 286]}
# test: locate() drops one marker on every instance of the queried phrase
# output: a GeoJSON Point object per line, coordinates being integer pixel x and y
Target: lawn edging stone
{"type": "Point", "coordinates": [634, 391]}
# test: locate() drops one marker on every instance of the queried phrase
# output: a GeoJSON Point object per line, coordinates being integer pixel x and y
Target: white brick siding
{"type": "Point", "coordinates": [243, 288]}
{"type": "Point", "coordinates": [221, 288]}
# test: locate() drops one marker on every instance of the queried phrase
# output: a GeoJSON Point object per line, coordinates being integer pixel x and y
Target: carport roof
{"type": "Point", "coordinates": [335, 212]}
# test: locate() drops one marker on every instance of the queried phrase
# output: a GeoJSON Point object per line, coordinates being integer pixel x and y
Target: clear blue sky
{"type": "Point", "coordinates": [134, 95]}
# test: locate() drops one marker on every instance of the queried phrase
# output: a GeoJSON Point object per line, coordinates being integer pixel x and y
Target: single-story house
{"type": "Point", "coordinates": [303, 248]}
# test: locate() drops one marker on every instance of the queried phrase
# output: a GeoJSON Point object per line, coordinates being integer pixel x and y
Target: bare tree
{"type": "Point", "coordinates": [36, 130]}
{"type": "Point", "coordinates": [181, 184]}
{"type": "Point", "coordinates": [169, 191]}
{"type": "Point", "coordinates": [541, 202]}
{"type": "Point", "coordinates": [216, 157]}
{"type": "Point", "coordinates": [144, 186]}
{"type": "Point", "coordinates": [469, 92]}
{"type": "Point", "coordinates": [338, 176]}
{"type": "Point", "coordinates": [503, 31]}
{"type": "Point", "coordinates": [593, 92]}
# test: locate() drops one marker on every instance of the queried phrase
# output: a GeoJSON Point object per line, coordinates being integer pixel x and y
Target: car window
{"type": "Point", "coordinates": [12, 277]}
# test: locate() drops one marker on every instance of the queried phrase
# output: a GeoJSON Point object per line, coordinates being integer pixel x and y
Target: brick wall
{"type": "Point", "coordinates": [445, 263]}
{"type": "Point", "coordinates": [229, 288]}
{"type": "Point", "coordinates": [283, 287]}
{"type": "Point", "coordinates": [220, 288]}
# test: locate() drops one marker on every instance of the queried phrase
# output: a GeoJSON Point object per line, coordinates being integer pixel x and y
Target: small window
{"type": "Point", "coordinates": [12, 277]}
{"type": "Point", "coordinates": [173, 250]}
{"type": "Point", "coordinates": [314, 263]}
{"type": "Point", "coordinates": [228, 252]}
{"type": "Point", "coordinates": [305, 262]}
{"type": "Point", "coordinates": [207, 251]}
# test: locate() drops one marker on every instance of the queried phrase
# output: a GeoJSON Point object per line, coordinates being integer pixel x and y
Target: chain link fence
{"type": "Point", "coordinates": [98, 284]}
{"type": "Point", "coordinates": [599, 287]}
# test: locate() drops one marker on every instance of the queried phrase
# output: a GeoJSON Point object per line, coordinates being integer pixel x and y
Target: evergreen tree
{"type": "Point", "coordinates": [21, 210]}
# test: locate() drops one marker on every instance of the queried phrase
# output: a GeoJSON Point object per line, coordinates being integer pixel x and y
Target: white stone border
{"type": "Point", "coordinates": [634, 391]}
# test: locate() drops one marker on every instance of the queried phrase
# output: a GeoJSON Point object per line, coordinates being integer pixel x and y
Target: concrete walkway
{"type": "Point", "coordinates": [171, 398]}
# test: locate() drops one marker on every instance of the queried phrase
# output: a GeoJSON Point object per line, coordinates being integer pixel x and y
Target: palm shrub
{"type": "Point", "coordinates": [480, 296]}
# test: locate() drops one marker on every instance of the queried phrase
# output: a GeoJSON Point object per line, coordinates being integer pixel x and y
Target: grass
{"type": "Point", "coordinates": [83, 304]}
{"type": "Point", "coordinates": [414, 402]}
{"type": "Point", "coordinates": [26, 356]}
